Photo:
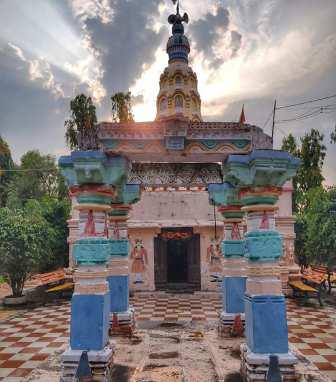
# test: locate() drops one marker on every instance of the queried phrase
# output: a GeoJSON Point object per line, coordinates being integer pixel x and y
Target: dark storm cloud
{"type": "Point", "coordinates": [125, 43]}
{"type": "Point", "coordinates": [207, 31]}
{"type": "Point", "coordinates": [32, 112]}
{"type": "Point", "coordinates": [235, 44]}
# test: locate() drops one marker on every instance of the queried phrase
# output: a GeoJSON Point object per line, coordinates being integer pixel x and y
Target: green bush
{"type": "Point", "coordinates": [25, 239]}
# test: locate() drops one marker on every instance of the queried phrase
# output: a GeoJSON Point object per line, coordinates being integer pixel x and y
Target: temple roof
{"type": "Point", "coordinates": [178, 140]}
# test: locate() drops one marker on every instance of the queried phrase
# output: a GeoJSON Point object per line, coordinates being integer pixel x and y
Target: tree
{"type": "Point", "coordinates": [289, 144]}
{"type": "Point", "coordinates": [309, 175]}
{"type": "Point", "coordinates": [81, 128]}
{"type": "Point", "coordinates": [37, 177]}
{"type": "Point", "coordinates": [56, 213]}
{"type": "Point", "coordinates": [312, 154]}
{"type": "Point", "coordinates": [23, 243]}
{"type": "Point", "coordinates": [6, 165]}
{"type": "Point", "coordinates": [122, 107]}
{"type": "Point", "coordinates": [320, 226]}
{"type": "Point", "coordinates": [333, 136]}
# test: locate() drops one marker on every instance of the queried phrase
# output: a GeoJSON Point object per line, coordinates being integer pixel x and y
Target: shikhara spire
{"type": "Point", "coordinates": [178, 46]}
{"type": "Point", "coordinates": [178, 94]}
{"type": "Point", "coordinates": [177, 20]}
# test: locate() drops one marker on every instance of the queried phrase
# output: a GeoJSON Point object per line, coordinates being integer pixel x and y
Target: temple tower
{"type": "Point", "coordinates": [178, 95]}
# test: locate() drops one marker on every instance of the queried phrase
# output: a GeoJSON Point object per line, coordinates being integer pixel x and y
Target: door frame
{"type": "Point", "coordinates": [193, 257]}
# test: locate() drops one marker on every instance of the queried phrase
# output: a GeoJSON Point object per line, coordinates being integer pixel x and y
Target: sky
{"type": "Point", "coordinates": [247, 52]}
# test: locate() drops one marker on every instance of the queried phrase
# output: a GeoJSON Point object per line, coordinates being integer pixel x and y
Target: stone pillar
{"type": "Point", "coordinates": [91, 177]}
{"type": "Point", "coordinates": [225, 196]}
{"type": "Point", "coordinates": [284, 222]}
{"type": "Point", "coordinates": [121, 314]}
{"type": "Point", "coordinates": [260, 176]}
{"type": "Point", "coordinates": [73, 236]}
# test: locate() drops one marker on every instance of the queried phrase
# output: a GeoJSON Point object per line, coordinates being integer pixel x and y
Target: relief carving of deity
{"type": "Point", "coordinates": [288, 252]}
{"type": "Point", "coordinates": [140, 261]}
{"type": "Point", "coordinates": [214, 258]}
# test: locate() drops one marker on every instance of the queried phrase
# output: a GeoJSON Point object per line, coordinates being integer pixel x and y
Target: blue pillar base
{"type": "Point", "coordinates": [233, 289]}
{"type": "Point", "coordinates": [89, 321]}
{"type": "Point", "coordinates": [119, 293]}
{"type": "Point", "coordinates": [254, 366]}
{"type": "Point", "coordinates": [125, 317]}
{"type": "Point", "coordinates": [100, 362]}
{"type": "Point", "coordinates": [266, 324]}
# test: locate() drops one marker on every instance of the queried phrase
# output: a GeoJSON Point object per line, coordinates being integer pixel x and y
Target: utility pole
{"type": "Point", "coordinates": [273, 124]}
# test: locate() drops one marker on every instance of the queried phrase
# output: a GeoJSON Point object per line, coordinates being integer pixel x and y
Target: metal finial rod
{"type": "Point", "coordinates": [178, 6]}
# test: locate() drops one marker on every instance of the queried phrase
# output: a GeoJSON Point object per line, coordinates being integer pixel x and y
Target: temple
{"type": "Point", "coordinates": [173, 159]}
{"type": "Point", "coordinates": [180, 204]}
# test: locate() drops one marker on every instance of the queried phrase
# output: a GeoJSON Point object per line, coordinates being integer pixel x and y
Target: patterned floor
{"type": "Point", "coordinates": [29, 339]}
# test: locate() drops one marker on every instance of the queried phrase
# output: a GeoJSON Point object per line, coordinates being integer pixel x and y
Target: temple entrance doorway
{"type": "Point", "coordinates": [177, 265]}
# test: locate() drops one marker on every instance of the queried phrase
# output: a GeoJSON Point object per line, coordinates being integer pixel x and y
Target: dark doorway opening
{"type": "Point", "coordinates": [177, 252]}
{"type": "Point", "coordinates": [177, 260]}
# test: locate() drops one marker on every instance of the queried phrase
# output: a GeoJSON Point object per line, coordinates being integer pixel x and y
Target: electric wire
{"type": "Point", "coordinates": [303, 103]}
{"type": "Point", "coordinates": [30, 170]}
{"type": "Point", "coordinates": [267, 120]}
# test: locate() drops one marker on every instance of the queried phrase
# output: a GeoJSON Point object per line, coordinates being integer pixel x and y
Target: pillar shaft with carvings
{"type": "Point", "coordinates": [225, 196]}
{"type": "Point", "coordinates": [259, 177]}
{"type": "Point", "coordinates": [92, 178]}
{"type": "Point", "coordinates": [121, 316]}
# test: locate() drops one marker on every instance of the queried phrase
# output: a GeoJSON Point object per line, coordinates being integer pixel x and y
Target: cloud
{"type": "Point", "coordinates": [243, 51]}
{"type": "Point", "coordinates": [210, 31]}
{"type": "Point", "coordinates": [86, 9]}
{"type": "Point", "coordinates": [39, 70]}
{"type": "Point", "coordinates": [236, 41]}
{"type": "Point", "coordinates": [125, 43]}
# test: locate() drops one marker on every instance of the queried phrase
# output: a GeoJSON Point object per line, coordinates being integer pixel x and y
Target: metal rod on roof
{"type": "Point", "coordinates": [215, 218]}
{"type": "Point", "coordinates": [273, 123]}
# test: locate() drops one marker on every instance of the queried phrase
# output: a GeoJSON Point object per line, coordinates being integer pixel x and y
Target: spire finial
{"type": "Point", "coordinates": [178, 19]}
{"type": "Point", "coordinates": [178, 6]}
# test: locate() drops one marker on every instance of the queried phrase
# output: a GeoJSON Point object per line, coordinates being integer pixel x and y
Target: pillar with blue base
{"type": "Point", "coordinates": [92, 178]}
{"type": "Point", "coordinates": [259, 177]}
{"type": "Point", "coordinates": [122, 318]}
{"type": "Point", "coordinates": [225, 196]}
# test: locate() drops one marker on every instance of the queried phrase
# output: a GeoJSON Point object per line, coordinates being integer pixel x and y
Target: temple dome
{"type": "Point", "coordinates": [178, 95]}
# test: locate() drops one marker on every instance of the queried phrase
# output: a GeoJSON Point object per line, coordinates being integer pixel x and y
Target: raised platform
{"type": "Point", "coordinates": [100, 362]}
{"type": "Point", "coordinates": [226, 321]}
{"type": "Point", "coordinates": [122, 323]}
{"type": "Point", "coordinates": [254, 366]}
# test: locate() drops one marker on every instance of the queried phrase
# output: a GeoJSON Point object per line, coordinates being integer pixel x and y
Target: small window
{"type": "Point", "coordinates": [194, 105]}
{"type": "Point", "coordinates": [163, 104]}
{"type": "Point", "coordinates": [178, 102]}
{"type": "Point", "coordinates": [178, 80]}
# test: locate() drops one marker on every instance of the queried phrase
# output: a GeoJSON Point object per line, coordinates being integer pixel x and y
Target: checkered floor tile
{"type": "Point", "coordinates": [176, 308]}
{"type": "Point", "coordinates": [313, 332]}
{"type": "Point", "coordinates": [29, 339]}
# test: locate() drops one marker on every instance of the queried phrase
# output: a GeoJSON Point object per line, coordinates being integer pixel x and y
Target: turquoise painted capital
{"type": "Point", "coordinates": [263, 245]}
{"type": "Point", "coordinates": [91, 251]}
{"type": "Point", "coordinates": [127, 194]}
{"type": "Point", "coordinates": [223, 194]}
{"type": "Point", "coordinates": [119, 247]}
{"type": "Point", "coordinates": [92, 198]}
{"type": "Point", "coordinates": [260, 168]}
{"type": "Point", "coordinates": [93, 167]}
{"type": "Point", "coordinates": [233, 248]}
